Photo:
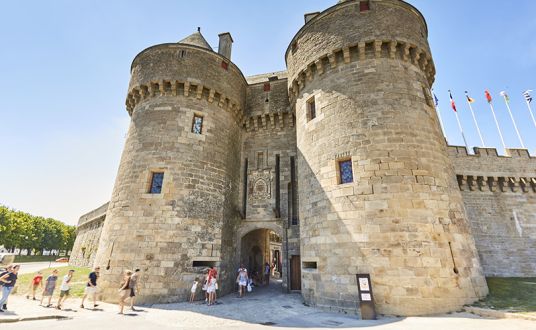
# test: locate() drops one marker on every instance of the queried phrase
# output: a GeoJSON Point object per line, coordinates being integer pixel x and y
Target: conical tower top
{"type": "Point", "coordinates": [196, 39]}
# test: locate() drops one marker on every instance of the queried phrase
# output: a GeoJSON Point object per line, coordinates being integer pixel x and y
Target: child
{"type": "Point", "coordinates": [36, 282]}
{"type": "Point", "coordinates": [50, 285]}
{"type": "Point", "coordinates": [194, 289]}
{"type": "Point", "coordinates": [65, 288]}
{"type": "Point", "coordinates": [211, 290]}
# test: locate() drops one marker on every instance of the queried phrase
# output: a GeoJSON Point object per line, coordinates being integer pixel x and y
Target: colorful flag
{"type": "Point", "coordinates": [436, 100]}
{"type": "Point", "coordinates": [503, 94]}
{"type": "Point", "coordinates": [488, 96]}
{"type": "Point", "coordinates": [469, 99]}
{"type": "Point", "coordinates": [527, 95]}
{"type": "Point", "coordinates": [452, 103]}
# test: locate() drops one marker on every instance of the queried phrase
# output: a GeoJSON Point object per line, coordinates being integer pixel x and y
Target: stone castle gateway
{"type": "Point", "coordinates": [334, 167]}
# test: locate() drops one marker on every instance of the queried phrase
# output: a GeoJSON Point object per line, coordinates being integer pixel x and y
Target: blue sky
{"type": "Point", "coordinates": [64, 71]}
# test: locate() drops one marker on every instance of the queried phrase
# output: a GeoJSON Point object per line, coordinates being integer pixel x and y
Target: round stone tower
{"type": "Point", "coordinates": [173, 211]}
{"type": "Point", "coordinates": [377, 192]}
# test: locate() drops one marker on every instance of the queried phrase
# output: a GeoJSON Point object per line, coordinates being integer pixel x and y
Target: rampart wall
{"type": "Point", "coordinates": [499, 193]}
{"type": "Point", "coordinates": [88, 234]}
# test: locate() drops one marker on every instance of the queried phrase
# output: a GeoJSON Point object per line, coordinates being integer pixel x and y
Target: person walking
{"type": "Point", "coordinates": [124, 291]}
{"type": "Point", "coordinates": [91, 287]}
{"type": "Point", "coordinates": [242, 280]}
{"type": "Point", "coordinates": [37, 282]}
{"type": "Point", "coordinates": [266, 274]}
{"type": "Point", "coordinates": [134, 288]}
{"type": "Point", "coordinates": [8, 281]}
{"type": "Point", "coordinates": [193, 290]}
{"type": "Point", "coordinates": [65, 288]}
{"type": "Point", "coordinates": [50, 286]}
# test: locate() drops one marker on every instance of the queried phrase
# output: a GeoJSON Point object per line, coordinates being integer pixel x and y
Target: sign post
{"type": "Point", "coordinates": [366, 298]}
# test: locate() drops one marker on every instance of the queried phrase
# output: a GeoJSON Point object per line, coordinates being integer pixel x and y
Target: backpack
{"type": "Point", "coordinates": [2, 273]}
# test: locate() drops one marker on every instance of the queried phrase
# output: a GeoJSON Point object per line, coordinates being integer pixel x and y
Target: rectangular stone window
{"type": "Point", "coordinates": [309, 265]}
{"type": "Point", "coordinates": [197, 124]}
{"type": "Point", "coordinates": [345, 172]}
{"type": "Point", "coordinates": [203, 263]}
{"type": "Point", "coordinates": [157, 180]}
{"type": "Point", "coordinates": [364, 6]}
{"type": "Point", "coordinates": [311, 109]}
{"type": "Point", "coordinates": [260, 160]}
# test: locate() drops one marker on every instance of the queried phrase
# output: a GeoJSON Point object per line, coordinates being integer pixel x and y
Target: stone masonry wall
{"type": "Point", "coordinates": [499, 193]}
{"type": "Point", "coordinates": [269, 130]}
{"type": "Point", "coordinates": [174, 235]}
{"type": "Point", "coordinates": [88, 233]}
{"type": "Point", "coordinates": [402, 218]}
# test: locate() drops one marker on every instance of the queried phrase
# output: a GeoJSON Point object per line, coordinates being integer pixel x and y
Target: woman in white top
{"type": "Point", "coordinates": [211, 290]}
{"type": "Point", "coordinates": [242, 280]}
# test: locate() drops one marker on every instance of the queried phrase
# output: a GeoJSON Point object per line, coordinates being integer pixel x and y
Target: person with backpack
{"type": "Point", "coordinates": [8, 279]}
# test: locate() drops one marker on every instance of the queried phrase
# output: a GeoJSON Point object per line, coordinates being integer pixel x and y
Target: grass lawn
{"type": "Point", "coordinates": [515, 294]}
{"type": "Point", "coordinates": [78, 282]}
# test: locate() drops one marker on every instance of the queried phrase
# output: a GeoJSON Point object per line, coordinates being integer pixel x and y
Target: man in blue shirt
{"type": "Point", "coordinates": [8, 280]}
{"type": "Point", "coordinates": [91, 287]}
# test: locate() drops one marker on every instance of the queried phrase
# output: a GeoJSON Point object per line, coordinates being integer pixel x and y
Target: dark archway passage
{"type": "Point", "coordinates": [258, 248]}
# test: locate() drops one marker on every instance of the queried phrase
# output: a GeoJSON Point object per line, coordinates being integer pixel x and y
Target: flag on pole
{"type": "Point", "coordinates": [436, 100]}
{"type": "Point", "coordinates": [469, 99]}
{"type": "Point", "coordinates": [527, 95]}
{"type": "Point", "coordinates": [506, 98]}
{"type": "Point", "coordinates": [488, 96]}
{"type": "Point", "coordinates": [452, 103]}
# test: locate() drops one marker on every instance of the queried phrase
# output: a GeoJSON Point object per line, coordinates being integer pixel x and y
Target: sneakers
{"type": "Point", "coordinates": [95, 306]}
{"type": "Point", "coordinates": [4, 307]}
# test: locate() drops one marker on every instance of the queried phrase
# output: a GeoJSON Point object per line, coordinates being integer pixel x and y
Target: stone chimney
{"type": "Point", "coordinates": [226, 44]}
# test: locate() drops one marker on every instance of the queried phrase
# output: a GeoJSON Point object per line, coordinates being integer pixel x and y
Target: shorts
{"type": "Point", "coordinates": [124, 293]}
{"type": "Point", "coordinates": [242, 283]}
{"type": "Point", "coordinates": [64, 293]}
{"type": "Point", "coordinates": [35, 286]}
{"type": "Point", "coordinates": [211, 288]}
{"type": "Point", "coordinates": [48, 292]}
{"type": "Point", "coordinates": [132, 292]}
{"type": "Point", "coordinates": [90, 290]}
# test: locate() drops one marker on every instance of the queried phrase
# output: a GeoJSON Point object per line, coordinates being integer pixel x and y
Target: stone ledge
{"type": "Point", "coordinates": [485, 312]}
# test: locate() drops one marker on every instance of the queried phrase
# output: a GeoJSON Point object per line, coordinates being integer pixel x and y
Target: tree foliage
{"type": "Point", "coordinates": [23, 231]}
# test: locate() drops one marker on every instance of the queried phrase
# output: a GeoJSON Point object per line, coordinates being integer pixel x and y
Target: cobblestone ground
{"type": "Point", "coordinates": [262, 309]}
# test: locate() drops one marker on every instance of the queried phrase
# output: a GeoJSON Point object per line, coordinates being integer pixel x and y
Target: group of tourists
{"type": "Point", "coordinates": [8, 279]}
{"type": "Point", "coordinates": [128, 286]}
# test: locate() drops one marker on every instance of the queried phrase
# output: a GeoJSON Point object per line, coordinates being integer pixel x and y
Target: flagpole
{"type": "Point", "coordinates": [513, 121]}
{"type": "Point", "coordinates": [476, 124]}
{"type": "Point", "coordinates": [461, 130]}
{"type": "Point", "coordinates": [440, 121]}
{"type": "Point", "coordinates": [498, 128]}
{"type": "Point", "coordinates": [531, 114]}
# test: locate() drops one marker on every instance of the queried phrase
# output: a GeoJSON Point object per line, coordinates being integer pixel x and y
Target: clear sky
{"type": "Point", "coordinates": [64, 72]}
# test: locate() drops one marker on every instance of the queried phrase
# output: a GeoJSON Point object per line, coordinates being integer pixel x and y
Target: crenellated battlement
{"type": "Point", "coordinates": [366, 50]}
{"type": "Point", "coordinates": [177, 88]}
{"type": "Point", "coordinates": [486, 170]}
{"type": "Point", "coordinates": [461, 151]}
{"type": "Point", "coordinates": [269, 121]}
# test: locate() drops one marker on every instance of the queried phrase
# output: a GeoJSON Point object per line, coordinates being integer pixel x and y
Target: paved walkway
{"type": "Point", "coordinates": [262, 309]}
{"type": "Point", "coordinates": [32, 267]}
